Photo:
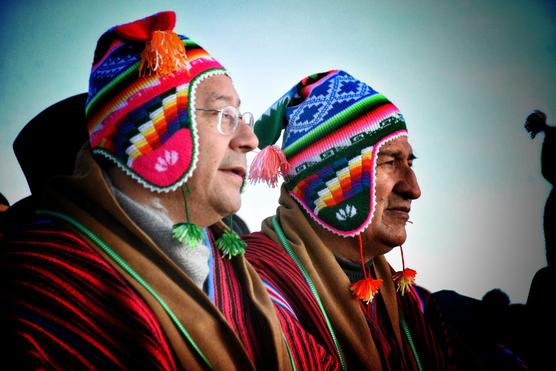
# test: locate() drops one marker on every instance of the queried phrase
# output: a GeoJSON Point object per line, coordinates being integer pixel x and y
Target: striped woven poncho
{"type": "Point", "coordinates": [311, 287]}
{"type": "Point", "coordinates": [82, 287]}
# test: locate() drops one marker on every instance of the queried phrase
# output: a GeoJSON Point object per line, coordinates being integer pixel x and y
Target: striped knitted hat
{"type": "Point", "coordinates": [334, 127]}
{"type": "Point", "coordinates": [141, 90]}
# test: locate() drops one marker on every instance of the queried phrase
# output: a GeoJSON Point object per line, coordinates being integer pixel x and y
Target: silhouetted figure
{"type": "Point", "coordinates": [540, 311]}
{"type": "Point", "coordinates": [503, 328]}
{"type": "Point", "coordinates": [540, 302]}
{"type": "Point", "coordinates": [535, 123]}
{"type": "Point", "coordinates": [492, 330]}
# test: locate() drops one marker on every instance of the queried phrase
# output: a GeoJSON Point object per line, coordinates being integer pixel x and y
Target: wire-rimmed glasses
{"type": "Point", "coordinates": [229, 117]}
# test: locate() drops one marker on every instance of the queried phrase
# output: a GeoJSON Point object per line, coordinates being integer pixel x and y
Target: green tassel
{"type": "Point", "coordinates": [231, 244]}
{"type": "Point", "coordinates": [187, 233]}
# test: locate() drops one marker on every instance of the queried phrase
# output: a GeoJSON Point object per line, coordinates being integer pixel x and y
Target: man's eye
{"type": "Point", "coordinates": [388, 162]}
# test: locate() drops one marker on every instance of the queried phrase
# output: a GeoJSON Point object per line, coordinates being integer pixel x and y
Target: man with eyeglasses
{"type": "Point", "coordinates": [127, 264]}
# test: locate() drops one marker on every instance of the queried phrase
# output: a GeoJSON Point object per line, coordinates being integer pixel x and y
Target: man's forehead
{"type": "Point", "coordinates": [220, 96]}
{"type": "Point", "coordinates": [397, 145]}
{"type": "Point", "coordinates": [218, 89]}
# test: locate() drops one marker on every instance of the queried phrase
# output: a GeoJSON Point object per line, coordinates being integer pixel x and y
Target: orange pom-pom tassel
{"type": "Point", "coordinates": [267, 165]}
{"type": "Point", "coordinates": [404, 279]}
{"type": "Point", "coordinates": [366, 289]}
{"type": "Point", "coordinates": [163, 54]}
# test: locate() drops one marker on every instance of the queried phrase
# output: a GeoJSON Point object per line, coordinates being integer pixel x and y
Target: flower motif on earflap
{"type": "Point", "coordinates": [170, 158]}
{"type": "Point", "coordinates": [346, 213]}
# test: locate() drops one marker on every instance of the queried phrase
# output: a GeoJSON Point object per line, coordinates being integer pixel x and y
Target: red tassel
{"type": "Point", "coordinates": [404, 279]}
{"type": "Point", "coordinates": [163, 54]}
{"type": "Point", "coordinates": [366, 289]}
{"type": "Point", "coordinates": [267, 165]}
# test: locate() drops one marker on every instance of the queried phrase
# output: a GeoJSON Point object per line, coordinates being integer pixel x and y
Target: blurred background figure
{"type": "Point", "coordinates": [4, 204]}
{"type": "Point", "coordinates": [43, 153]}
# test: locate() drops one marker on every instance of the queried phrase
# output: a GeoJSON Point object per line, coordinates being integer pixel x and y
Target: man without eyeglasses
{"type": "Point", "coordinates": [345, 201]}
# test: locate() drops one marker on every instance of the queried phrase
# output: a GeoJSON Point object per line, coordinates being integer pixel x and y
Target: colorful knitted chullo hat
{"type": "Point", "coordinates": [334, 127]}
{"type": "Point", "coordinates": [141, 90]}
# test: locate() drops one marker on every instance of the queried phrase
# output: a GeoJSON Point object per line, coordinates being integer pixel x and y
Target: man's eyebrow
{"type": "Point", "coordinates": [396, 154]}
{"type": "Point", "coordinates": [215, 97]}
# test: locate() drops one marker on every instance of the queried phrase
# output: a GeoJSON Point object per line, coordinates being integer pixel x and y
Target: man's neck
{"type": "Point", "coordinates": [347, 248]}
{"type": "Point", "coordinates": [172, 203]}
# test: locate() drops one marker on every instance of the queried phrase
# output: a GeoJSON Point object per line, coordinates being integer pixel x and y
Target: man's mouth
{"type": "Point", "coordinates": [404, 209]}
{"type": "Point", "coordinates": [399, 212]}
{"type": "Point", "coordinates": [237, 171]}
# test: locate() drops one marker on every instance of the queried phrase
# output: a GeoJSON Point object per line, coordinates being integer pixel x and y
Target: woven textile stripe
{"type": "Point", "coordinates": [278, 298]}
{"type": "Point", "coordinates": [347, 182]}
{"type": "Point", "coordinates": [229, 296]}
{"type": "Point", "coordinates": [112, 79]}
{"type": "Point", "coordinates": [306, 352]}
{"type": "Point", "coordinates": [275, 267]}
{"type": "Point", "coordinates": [336, 138]}
{"type": "Point", "coordinates": [56, 319]}
{"type": "Point", "coordinates": [105, 121]}
{"type": "Point", "coordinates": [336, 123]}
{"type": "Point", "coordinates": [148, 126]}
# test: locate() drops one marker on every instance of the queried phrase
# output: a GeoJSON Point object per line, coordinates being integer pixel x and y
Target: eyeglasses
{"type": "Point", "coordinates": [228, 119]}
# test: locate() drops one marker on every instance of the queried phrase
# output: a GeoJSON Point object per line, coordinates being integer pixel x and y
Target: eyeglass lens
{"type": "Point", "coordinates": [228, 119]}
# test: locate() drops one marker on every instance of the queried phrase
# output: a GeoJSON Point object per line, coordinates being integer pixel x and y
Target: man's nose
{"type": "Point", "coordinates": [407, 186]}
{"type": "Point", "coordinates": [244, 138]}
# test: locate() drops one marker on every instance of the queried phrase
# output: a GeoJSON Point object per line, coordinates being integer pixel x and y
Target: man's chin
{"type": "Point", "coordinates": [231, 206]}
{"type": "Point", "coordinates": [398, 239]}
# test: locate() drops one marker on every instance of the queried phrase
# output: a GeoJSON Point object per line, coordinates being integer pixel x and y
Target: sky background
{"type": "Point", "coordinates": [465, 74]}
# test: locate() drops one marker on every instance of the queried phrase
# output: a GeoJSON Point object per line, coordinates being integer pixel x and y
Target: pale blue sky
{"type": "Point", "coordinates": [465, 74]}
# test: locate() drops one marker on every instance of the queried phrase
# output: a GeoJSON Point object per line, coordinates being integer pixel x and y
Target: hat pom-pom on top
{"type": "Point", "coordinates": [164, 53]}
{"type": "Point", "coordinates": [267, 165]}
